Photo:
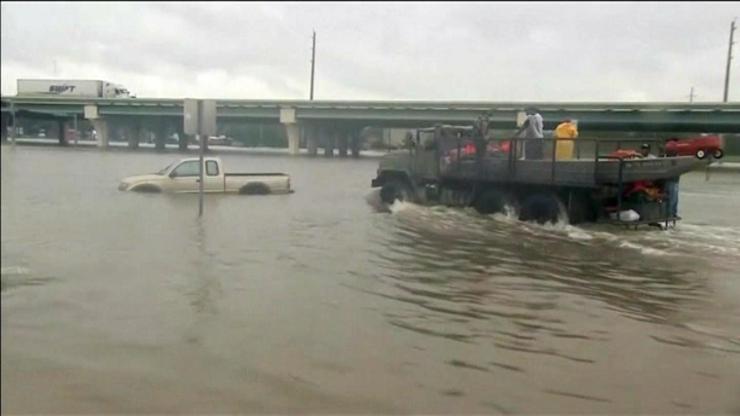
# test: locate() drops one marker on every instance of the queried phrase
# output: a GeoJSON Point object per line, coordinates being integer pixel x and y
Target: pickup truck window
{"type": "Point", "coordinates": [211, 168]}
{"type": "Point", "coordinates": [187, 169]}
{"type": "Point", "coordinates": [163, 171]}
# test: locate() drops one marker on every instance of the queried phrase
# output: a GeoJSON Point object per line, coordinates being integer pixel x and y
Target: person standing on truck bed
{"type": "Point", "coordinates": [645, 151]}
{"type": "Point", "coordinates": [532, 131]}
{"type": "Point", "coordinates": [565, 133]}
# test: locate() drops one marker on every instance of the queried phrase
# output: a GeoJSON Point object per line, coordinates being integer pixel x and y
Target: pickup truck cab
{"type": "Point", "coordinates": [183, 176]}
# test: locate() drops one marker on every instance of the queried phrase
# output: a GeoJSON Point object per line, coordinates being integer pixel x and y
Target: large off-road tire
{"type": "Point", "coordinates": [541, 208]}
{"type": "Point", "coordinates": [718, 154]}
{"type": "Point", "coordinates": [395, 189]}
{"type": "Point", "coordinates": [491, 201]}
{"type": "Point", "coordinates": [701, 154]}
{"type": "Point", "coordinates": [581, 209]}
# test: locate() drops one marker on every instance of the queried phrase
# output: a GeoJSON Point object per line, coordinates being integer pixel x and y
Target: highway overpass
{"type": "Point", "coordinates": [343, 119]}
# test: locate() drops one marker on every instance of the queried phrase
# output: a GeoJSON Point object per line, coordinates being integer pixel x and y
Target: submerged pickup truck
{"type": "Point", "coordinates": [183, 176]}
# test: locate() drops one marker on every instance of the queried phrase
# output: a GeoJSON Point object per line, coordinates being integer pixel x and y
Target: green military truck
{"type": "Point", "coordinates": [464, 166]}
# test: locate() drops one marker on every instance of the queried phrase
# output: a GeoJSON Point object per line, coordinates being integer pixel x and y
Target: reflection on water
{"type": "Point", "coordinates": [317, 302]}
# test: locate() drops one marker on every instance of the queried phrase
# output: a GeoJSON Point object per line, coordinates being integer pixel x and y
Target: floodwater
{"type": "Point", "coordinates": [315, 302]}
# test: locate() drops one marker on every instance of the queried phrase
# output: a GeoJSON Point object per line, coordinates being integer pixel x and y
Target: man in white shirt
{"type": "Point", "coordinates": [532, 131]}
{"type": "Point", "coordinates": [645, 151]}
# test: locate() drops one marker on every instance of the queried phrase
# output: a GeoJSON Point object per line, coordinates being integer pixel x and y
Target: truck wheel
{"type": "Point", "coordinates": [395, 190]}
{"type": "Point", "coordinates": [254, 189]}
{"type": "Point", "coordinates": [701, 154]}
{"type": "Point", "coordinates": [541, 208]}
{"type": "Point", "coordinates": [491, 201]}
{"type": "Point", "coordinates": [718, 154]}
{"type": "Point", "coordinates": [581, 209]}
{"type": "Point", "coordinates": [146, 188]}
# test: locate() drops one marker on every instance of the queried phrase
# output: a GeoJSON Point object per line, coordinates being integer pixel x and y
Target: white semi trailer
{"type": "Point", "coordinates": [71, 88]}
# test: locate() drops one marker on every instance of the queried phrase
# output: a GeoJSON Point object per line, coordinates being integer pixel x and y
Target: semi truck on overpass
{"type": "Point", "coordinates": [79, 88]}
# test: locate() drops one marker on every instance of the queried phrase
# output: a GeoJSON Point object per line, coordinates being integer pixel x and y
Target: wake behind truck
{"type": "Point", "coordinates": [71, 88]}
{"type": "Point", "coordinates": [464, 166]}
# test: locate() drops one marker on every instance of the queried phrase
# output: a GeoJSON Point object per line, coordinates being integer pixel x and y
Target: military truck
{"type": "Point", "coordinates": [466, 166]}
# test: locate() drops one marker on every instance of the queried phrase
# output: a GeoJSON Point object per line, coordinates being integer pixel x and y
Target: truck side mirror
{"type": "Point", "coordinates": [173, 174]}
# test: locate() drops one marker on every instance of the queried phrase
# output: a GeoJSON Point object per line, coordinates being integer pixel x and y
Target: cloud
{"type": "Point", "coordinates": [433, 51]}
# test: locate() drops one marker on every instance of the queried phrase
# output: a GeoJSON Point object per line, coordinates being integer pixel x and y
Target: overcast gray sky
{"type": "Point", "coordinates": [416, 51]}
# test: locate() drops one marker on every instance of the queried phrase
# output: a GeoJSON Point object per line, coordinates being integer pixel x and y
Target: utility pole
{"type": "Point", "coordinates": [313, 61]}
{"type": "Point", "coordinates": [729, 59]}
{"type": "Point", "coordinates": [691, 95]}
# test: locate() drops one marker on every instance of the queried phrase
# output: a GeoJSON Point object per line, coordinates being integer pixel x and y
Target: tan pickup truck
{"type": "Point", "coordinates": [183, 176]}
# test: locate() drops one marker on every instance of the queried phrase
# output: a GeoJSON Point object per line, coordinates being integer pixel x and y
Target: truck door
{"type": "Point", "coordinates": [213, 178]}
{"type": "Point", "coordinates": [185, 177]}
{"type": "Point", "coordinates": [424, 160]}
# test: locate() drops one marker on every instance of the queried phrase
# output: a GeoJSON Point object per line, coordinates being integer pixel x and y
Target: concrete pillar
{"type": "Point", "coordinates": [294, 138]}
{"type": "Point", "coordinates": [4, 126]}
{"type": "Point", "coordinates": [343, 142]}
{"type": "Point", "coordinates": [184, 139]}
{"type": "Point", "coordinates": [292, 129]}
{"type": "Point", "coordinates": [312, 141]}
{"type": "Point", "coordinates": [13, 126]}
{"type": "Point", "coordinates": [133, 135]}
{"type": "Point", "coordinates": [61, 130]}
{"type": "Point", "coordinates": [330, 140]}
{"type": "Point", "coordinates": [76, 128]}
{"type": "Point", "coordinates": [160, 136]}
{"type": "Point", "coordinates": [101, 130]}
{"type": "Point", "coordinates": [354, 143]}
{"type": "Point", "coordinates": [182, 144]}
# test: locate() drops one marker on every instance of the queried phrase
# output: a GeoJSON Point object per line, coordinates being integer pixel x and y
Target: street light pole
{"type": "Point", "coordinates": [729, 59]}
{"type": "Point", "coordinates": [313, 62]}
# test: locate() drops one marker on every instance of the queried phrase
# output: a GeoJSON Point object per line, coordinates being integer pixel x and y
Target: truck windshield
{"type": "Point", "coordinates": [163, 171]}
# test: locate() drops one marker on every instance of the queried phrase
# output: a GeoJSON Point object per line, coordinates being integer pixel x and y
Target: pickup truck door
{"type": "Point", "coordinates": [185, 177]}
{"type": "Point", "coordinates": [213, 178]}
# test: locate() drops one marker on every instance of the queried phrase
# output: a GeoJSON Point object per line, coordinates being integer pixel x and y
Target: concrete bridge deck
{"type": "Point", "coordinates": [341, 120]}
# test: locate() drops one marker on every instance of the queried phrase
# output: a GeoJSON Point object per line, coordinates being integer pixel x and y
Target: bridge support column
{"type": "Point", "coordinates": [4, 126]}
{"type": "Point", "coordinates": [61, 130]}
{"type": "Point", "coordinates": [294, 138]}
{"type": "Point", "coordinates": [160, 136]}
{"type": "Point", "coordinates": [183, 141]}
{"type": "Point", "coordinates": [182, 144]}
{"type": "Point", "coordinates": [342, 143]}
{"type": "Point", "coordinates": [134, 136]}
{"type": "Point", "coordinates": [182, 138]}
{"type": "Point", "coordinates": [101, 131]}
{"type": "Point", "coordinates": [312, 140]}
{"type": "Point", "coordinates": [354, 143]}
{"type": "Point", "coordinates": [330, 140]}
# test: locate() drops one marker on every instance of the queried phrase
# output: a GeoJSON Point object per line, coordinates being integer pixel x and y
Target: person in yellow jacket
{"type": "Point", "coordinates": [564, 148]}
